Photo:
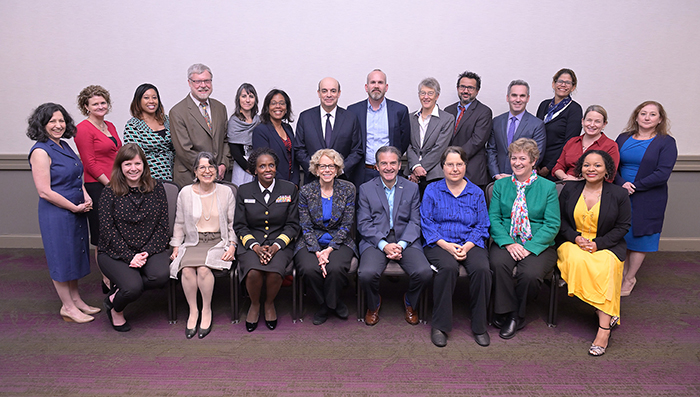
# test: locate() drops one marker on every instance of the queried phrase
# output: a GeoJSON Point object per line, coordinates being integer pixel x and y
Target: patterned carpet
{"type": "Point", "coordinates": [656, 350]}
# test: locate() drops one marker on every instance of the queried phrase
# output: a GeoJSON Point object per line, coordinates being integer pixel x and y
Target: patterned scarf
{"type": "Point", "coordinates": [519, 219]}
{"type": "Point", "coordinates": [554, 110]}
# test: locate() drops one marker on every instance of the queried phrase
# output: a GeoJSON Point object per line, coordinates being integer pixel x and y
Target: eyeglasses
{"type": "Point", "coordinates": [428, 94]}
{"type": "Point", "coordinates": [203, 168]}
{"type": "Point", "coordinates": [324, 167]}
{"type": "Point", "coordinates": [454, 165]}
{"type": "Point", "coordinates": [469, 88]}
{"type": "Point", "coordinates": [281, 103]}
{"type": "Point", "coordinates": [200, 82]}
{"type": "Point", "coordinates": [565, 83]}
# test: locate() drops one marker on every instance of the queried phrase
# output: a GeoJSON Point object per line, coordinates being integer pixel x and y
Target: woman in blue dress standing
{"type": "Point", "coordinates": [63, 202]}
{"type": "Point", "coordinates": [647, 156]}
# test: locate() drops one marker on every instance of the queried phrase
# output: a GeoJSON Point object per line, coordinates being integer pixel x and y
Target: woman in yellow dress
{"type": "Point", "coordinates": [595, 216]}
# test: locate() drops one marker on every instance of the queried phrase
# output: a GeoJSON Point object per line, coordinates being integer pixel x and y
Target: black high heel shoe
{"type": "Point", "coordinates": [190, 332]}
{"type": "Point", "coordinates": [250, 327]}
{"type": "Point", "coordinates": [105, 288]}
{"type": "Point", "coordinates": [271, 324]}
{"type": "Point", "coordinates": [108, 308]}
{"type": "Point", "coordinates": [204, 332]}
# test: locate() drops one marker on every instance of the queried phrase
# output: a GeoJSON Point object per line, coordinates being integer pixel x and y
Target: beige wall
{"type": "Point", "coordinates": [19, 227]}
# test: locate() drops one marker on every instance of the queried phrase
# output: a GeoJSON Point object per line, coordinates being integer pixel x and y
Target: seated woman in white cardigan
{"type": "Point", "coordinates": [203, 239]}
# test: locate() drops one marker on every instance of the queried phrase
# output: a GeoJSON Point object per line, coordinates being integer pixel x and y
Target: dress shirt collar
{"type": "Point", "coordinates": [381, 106]}
{"type": "Point", "coordinates": [435, 113]}
{"type": "Point", "coordinates": [198, 103]}
{"type": "Point", "coordinates": [271, 188]}
{"type": "Point", "coordinates": [469, 189]}
{"type": "Point", "coordinates": [518, 117]}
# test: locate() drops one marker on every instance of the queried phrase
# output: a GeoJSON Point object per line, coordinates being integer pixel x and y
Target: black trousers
{"type": "Point", "coordinates": [372, 265]}
{"type": "Point", "coordinates": [326, 290]}
{"type": "Point", "coordinates": [477, 265]}
{"type": "Point", "coordinates": [511, 294]}
{"type": "Point", "coordinates": [132, 281]}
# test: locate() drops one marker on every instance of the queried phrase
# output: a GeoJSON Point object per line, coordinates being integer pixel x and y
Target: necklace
{"type": "Point", "coordinates": [211, 203]}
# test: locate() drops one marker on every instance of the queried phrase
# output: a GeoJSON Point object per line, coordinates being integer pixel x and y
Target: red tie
{"type": "Point", "coordinates": [462, 109]}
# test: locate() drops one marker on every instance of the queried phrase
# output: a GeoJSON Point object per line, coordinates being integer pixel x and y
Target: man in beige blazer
{"type": "Point", "coordinates": [198, 124]}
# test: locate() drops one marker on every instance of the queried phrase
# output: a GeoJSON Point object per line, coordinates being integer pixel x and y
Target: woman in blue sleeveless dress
{"type": "Point", "coordinates": [647, 156]}
{"type": "Point", "coordinates": [63, 202]}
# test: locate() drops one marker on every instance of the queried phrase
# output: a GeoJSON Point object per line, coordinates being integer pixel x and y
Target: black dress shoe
{"type": "Point", "coordinates": [499, 320]}
{"type": "Point", "coordinates": [250, 327]}
{"type": "Point", "coordinates": [271, 324]}
{"type": "Point", "coordinates": [105, 288]}
{"type": "Point", "coordinates": [204, 332]}
{"type": "Point", "coordinates": [482, 339]}
{"type": "Point", "coordinates": [108, 308]}
{"type": "Point", "coordinates": [511, 327]}
{"type": "Point", "coordinates": [438, 337]}
{"type": "Point", "coordinates": [189, 332]}
{"type": "Point", "coordinates": [321, 315]}
{"type": "Point", "coordinates": [342, 310]}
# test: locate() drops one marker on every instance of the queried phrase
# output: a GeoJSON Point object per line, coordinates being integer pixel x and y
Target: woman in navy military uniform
{"type": "Point", "coordinates": [266, 223]}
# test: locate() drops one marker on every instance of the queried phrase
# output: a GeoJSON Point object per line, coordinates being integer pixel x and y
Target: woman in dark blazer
{"type": "Point", "coordinates": [327, 214]}
{"type": "Point", "coordinates": [595, 216]}
{"type": "Point", "coordinates": [266, 222]}
{"type": "Point", "coordinates": [647, 156]}
{"type": "Point", "coordinates": [562, 119]}
{"type": "Point", "coordinates": [275, 133]}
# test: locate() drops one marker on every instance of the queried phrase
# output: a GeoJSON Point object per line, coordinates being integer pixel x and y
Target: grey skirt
{"type": "Point", "coordinates": [196, 255]}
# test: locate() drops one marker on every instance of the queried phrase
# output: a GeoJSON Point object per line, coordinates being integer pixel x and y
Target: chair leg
{"type": "Point", "coordinates": [295, 296]}
{"type": "Point", "coordinates": [235, 295]}
{"type": "Point", "coordinates": [172, 304]}
{"type": "Point", "coordinates": [423, 306]}
{"type": "Point", "coordinates": [360, 300]}
{"type": "Point", "coordinates": [232, 296]}
{"type": "Point", "coordinates": [553, 301]}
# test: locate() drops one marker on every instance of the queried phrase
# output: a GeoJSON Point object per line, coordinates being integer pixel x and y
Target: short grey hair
{"type": "Point", "coordinates": [376, 70]}
{"type": "Point", "coordinates": [519, 82]}
{"type": "Point", "coordinates": [430, 82]}
{"type": "Point", "coordinates": [198, 68]}
{"type": "Point", "coordinates": [387, 149]}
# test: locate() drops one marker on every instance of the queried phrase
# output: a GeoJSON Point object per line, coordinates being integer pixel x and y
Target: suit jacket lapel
{"type": "Point", "coordinates": [467, 114]}
{"type": "Point", "coordinates": [337, 125]}
{"type": "Point", "coordinates": [197, 114]}
{"type": "Point", "coordinates": [605, 200]}
{"type": "Point", "coordinates": [521, 126]}
{"type": "Point", "coordinates": [432, 126]}
{"type": "Point", "coordinates": [381, 196]}
{"type": "Point", "coordinates": [398, 192]}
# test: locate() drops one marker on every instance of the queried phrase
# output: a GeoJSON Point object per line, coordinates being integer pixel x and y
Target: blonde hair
{"type": "Point", "coordinates": [336, 157]}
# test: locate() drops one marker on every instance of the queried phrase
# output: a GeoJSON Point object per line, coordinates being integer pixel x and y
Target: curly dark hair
{"type": "Point", "coordinates": [253, 158]}
{"type": "Point", "coordinates": [41, 117]}
{"type": "Point", "coordinates": [607, 160]}
{"type": "Point", "coordinates": [265, 112]}
{"type": "Point", "coordinates": [89, 92]}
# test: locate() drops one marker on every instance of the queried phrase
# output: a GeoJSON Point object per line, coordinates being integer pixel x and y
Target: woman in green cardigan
{"type": "Point", "coordinates": [524, 214]}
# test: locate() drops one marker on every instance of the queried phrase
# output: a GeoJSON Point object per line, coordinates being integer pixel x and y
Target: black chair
{"type": "Point", "coordinates": [171, 191]}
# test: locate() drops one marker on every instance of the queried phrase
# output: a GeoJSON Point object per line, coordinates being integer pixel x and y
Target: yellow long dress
{"type": "Point", "coordinates": [595, 278]}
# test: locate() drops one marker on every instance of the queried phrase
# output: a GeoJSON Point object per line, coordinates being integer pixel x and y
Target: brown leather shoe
{"type": "Point", "coordinates": [372, 316]}
{"type": "Point", "coordinates": [410, 314]}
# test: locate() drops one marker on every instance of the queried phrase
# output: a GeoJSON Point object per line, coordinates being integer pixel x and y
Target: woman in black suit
{"type": "Point", "coordinates": [275, 133]}
{"type": "Point", "coordinates": [562, 119]}
{"type": "Point", "coordinates": [266, 223]}
{"type": "Point", "coordinates": [595, 216]}
{"type": "Point", "coordinates": [327, 214]}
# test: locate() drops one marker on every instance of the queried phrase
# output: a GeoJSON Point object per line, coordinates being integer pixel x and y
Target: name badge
{"type": "Point", "coordinates": [249, 201]}
{"type": "Point", "coordinates": [284, 199]}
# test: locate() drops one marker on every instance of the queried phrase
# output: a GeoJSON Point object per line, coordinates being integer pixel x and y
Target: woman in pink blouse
{"type": "Point", "coordinates": [97, 143]}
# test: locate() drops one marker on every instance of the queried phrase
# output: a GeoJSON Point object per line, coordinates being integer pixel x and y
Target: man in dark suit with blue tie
{"type": "Point", "coordinates": [388, 220]}
{"type": "Point", "coordinates": [328, 126]}
{"type": "Point", "coordinates": [383, 123]}
{"type": "Point", "coordinates": [511, 126]}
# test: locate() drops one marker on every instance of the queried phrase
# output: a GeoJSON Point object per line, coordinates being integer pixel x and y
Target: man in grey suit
{"type": "Point", "coordinates": [472, 128]}
{"type": "Point", "coordinates": [511, 126]}
{"type": "Point", "coordinates": [198, 124]}
{"type": "Point", "coordinates": [388, 220]}
{"type": "Point", "coordinates": [431, 132]}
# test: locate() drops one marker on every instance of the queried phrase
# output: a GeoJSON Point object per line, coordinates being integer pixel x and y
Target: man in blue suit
{"type": "Point", "coordinates": [329, 126]}
{"type": "Point", "coordinates": [388, 220]}
{"type": "Point", "coordinates": [511, 126]}
{"type": "Point", "coordinates": [383, 123]}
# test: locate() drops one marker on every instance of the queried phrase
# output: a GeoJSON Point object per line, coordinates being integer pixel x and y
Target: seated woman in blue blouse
{"type": "Point", "coordinates": [525, 219]}
{"type": "Point", "coordinates": [326, 247]}
{"type": "Point", "coordinates": [455, 225]}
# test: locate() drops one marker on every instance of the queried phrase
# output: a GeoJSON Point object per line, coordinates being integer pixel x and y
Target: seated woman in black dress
{"type": "Point", "coordinates": [327, 214]}
{"type": "Point", "coordinates": [133, 233]}
{"type": "Point", "coordinates": [266, 223]}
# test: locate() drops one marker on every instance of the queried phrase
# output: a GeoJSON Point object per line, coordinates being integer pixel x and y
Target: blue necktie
{"type": "Point", "coordinates": [511, 130]}
{"type": "Point", "coordinates": [329, 130]}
